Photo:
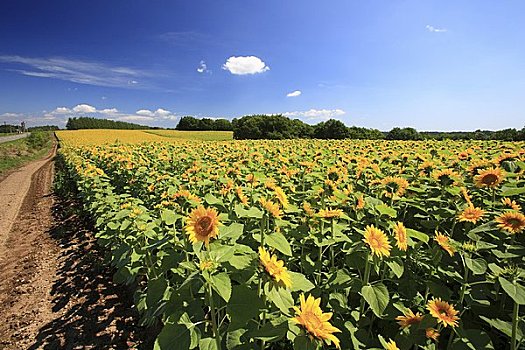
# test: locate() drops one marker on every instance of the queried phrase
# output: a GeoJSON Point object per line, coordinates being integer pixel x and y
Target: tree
{"type": "Point", "coordinates": [331, 129]}
{"type": "Point", "coordinates": [403, 134]}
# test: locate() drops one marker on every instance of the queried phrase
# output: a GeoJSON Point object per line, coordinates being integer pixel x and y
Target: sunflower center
{"type": "Point", "coordinates": [515, 222]}
{"type": "Point", "coordinates": [312, 321]}
{"type": "Point", "coordinates": [489, 179]}
{"type": "Point", "coordinates": [205, 225]}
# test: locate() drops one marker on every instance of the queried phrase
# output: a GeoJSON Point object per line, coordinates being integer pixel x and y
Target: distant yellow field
{"type": "Point", "coordinates": [194, 135]}
{"type": "Point", "coordinates": [104, 136]}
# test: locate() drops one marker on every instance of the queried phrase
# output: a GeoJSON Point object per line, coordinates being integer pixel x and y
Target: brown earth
{"type": "Point", "coordinates": [55, 290]}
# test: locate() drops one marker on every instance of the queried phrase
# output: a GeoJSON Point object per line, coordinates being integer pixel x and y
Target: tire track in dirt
{"type": "Point", "coordinates": [56, 292]}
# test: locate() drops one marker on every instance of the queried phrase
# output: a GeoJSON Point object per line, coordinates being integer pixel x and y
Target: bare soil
{"type": "Point", "coordinates": [56, 292]}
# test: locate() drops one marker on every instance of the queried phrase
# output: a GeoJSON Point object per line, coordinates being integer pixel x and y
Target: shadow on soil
{"type": "Point", "coordinates": [92, 312]}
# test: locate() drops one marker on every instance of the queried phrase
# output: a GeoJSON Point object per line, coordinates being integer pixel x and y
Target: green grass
{"type": "Point", "coordinates": [194, 135]}
{"type": "Point", "coordinates": [19, 152]}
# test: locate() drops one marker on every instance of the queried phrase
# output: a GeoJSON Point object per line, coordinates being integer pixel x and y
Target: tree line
{"type": "Point", "coordinates": [204, 124]}
{"type": "Point", "coordinates": [96, 123]}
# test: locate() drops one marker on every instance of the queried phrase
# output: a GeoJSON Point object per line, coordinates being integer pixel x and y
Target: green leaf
{"type": "Point", "coordinates": [222, 253]}
{"type": "Point", "coordinates": [278, 241]}
{"type": "Point", "coordinates": [173, 337]}
{"type": "Point", "coordinates": [420, 236]}
{"type": "Point", "coordinates": [169, 216]}
{"type": "Point", "coordinates": [377, 297]}
{"type": "Point", "coordinates": [304, 342]}
{"type": "Point", "coordinates": [478, 266]}
{"type": "Point", "coordinates": [156, 289]}
{"type": "Point", "coordinates": [514, 290]}
{"type": "Point", "coordinates": [300, 282]}
{"type": "Point", "coordinates": [396, 265]}
{"type": "Point", "coordinates": [244, 305]}
{"type": "Point", "coordinates": [221, 283]}
{"type": "Point", "coordinates": [281, 297]}
{"type": "Point", "coordinates": [253, 212]}
{"type": "Point", "coordinates": [483, 228]}
{"type": "Point", "coordinates": [508, 192]}
{"type": "Point", "coordinates": [212, 200]}
{"type": "Point", "coordinates": [502, 326]}
{"type": "Point", "coordinates": [269, 332]}
{"type": "Point", "coordinates": [233, 339]}
{"type": "Point", "coordinates": [208, 344]}
{"type": "Point", "coordinates": [384, 209]}
{"type": "Point", "coordinates": [231, 232]}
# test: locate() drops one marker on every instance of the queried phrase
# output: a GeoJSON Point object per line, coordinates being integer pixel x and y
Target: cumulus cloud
{"type": "Point", "coordinates": [59, 115]}
{"type": "Point", "coordinates": [243, 65]}
{"type": "Point", "coordinates": [84, 108]}
{"type": "Point", "coordinates": [316, 114]}
{"type": "Point", "coordinates": [294, 93]}
{"type": "Point", "coordinates": [77, 71]}
{"type": "Point", "coordinates": [433, 29]}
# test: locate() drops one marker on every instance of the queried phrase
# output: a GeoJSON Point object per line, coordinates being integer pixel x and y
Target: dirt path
{"type": "Point", "coordinates": [55, 290]}
{"type": "Point", "coordinates": [13, 137]}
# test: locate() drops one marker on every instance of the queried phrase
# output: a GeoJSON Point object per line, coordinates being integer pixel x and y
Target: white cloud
{"type": "Point", "coordinates": [294, 93]}
{"type": "Point", "coordinates": [316, 114]}
{"type": "Point", "coordinates": [136, 118]}
{"type": "Point", "coordinates": [203, 68]}
{"type": "Point", "coordinates": [84, 108]}
{"type": "Point", "coordinates": [109, 111]}
{"type": "Point", "coordinates": [11, 115]}
{"type": "Point", "coordinates": [242, 65]}
{"type": "Point", "coordinates": [82, 72]}
{"type": "Point", "coordinates": [145, 112]}
{"type": "Point", "coordinates": [59, 115]}
{"type": "Point", "coordinates": [433, 29]}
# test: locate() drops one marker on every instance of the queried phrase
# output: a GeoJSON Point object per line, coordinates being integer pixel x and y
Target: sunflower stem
{"type": "Point", "coordinates": [366, 277]}
{"type": "Point", "coordinates": [465, 282]}
{"type": "Point", "coordinates": [332, 251]}
{"type": "Point", "coordinates": [515, 319]}
{"type": "Point", "coordinates": [263, 227]}
{"type": "Point", "coordinates": [320, 258]}
{"type": "Point", "coordinates": [213, 318]}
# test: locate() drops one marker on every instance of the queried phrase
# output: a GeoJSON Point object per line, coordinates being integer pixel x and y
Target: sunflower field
{"type": "Point", "coordinates": [309, 244]}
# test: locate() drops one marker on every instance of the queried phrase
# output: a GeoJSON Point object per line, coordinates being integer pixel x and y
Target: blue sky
{"type": "Point", "coordinates": [432, 65]}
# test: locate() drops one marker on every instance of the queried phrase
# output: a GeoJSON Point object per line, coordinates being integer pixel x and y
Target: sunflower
{"type": "Point", "coordinates": [432, 333]}
{"type": "Point", "coordinates": [281, 196]}
{"type": "Point", "coordinates": [307, 207]}
{"type": "Point", "coordinates": [401, 236]}
{"type": "Point", "coordinates": [377, 241]}
{"type": "Point", "coordinates": [510, 203]}
{"type": "Point", "coordinates": [444, 242]}
{"type": "Point", "coordinates": [471, 214]}
{"type": "Point", "coordinates": [512, 222]}
{"type": "Point", "coordinates": [202, 224]}
{"type": "Point", "coordinates": [360, 202]}
{"type": "Point", "coordinates": [478, 165]}
{"type": "Point", "coordinates": [467, 197]}
{"type": "Point", "coordinates": [409, 318]}
{"type": "Point", "coordinates": [271, 207]}
{"type": "Point", "coordinates": [330, 213]}
{"type": "Point", "coordinates": [490, 178]}
{"type": "Point", "coordinates": [274, 267]}
{"type": "Point", "coordinates": [427, 167]}
{"type": "Point", "coordinates": [443, 312]}
{"type": "Point", "coordinates": [445, 177]}
{"type": "Point", "coordinates": [395, 186]}
{"type": "Point", "coordinates": [206, 265]}
{"type": "Point", "coordinates": [391, 345]}
{"type": "Point", "coordinates": [312, 318]}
